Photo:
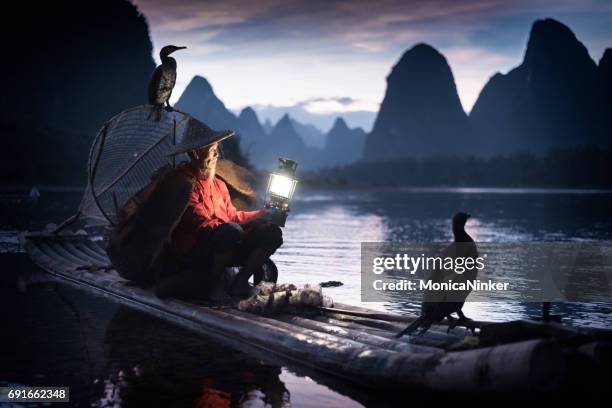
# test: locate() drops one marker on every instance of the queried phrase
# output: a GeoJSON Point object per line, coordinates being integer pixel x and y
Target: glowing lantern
{"type": "Point", "coordinates": [281, 187]}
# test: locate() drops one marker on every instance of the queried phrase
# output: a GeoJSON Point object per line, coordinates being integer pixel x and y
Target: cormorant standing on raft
{"type": "Point", "coordinates": [163, 80]}
{"type": "Point", "coordinates": [438, 305]}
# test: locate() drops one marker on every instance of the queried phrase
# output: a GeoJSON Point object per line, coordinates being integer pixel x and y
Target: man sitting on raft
{"type": "Point", "coordinates": [191, 210]}
{"type": "Point", "coordinates": [211, 231]}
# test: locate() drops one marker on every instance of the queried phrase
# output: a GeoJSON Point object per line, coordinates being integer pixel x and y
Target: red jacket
{"type": "Point", "coordinates": [209, 206]}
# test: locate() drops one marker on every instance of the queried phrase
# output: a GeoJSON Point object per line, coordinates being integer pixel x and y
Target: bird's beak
{"type": "Point", "coordinates": [180, 48]}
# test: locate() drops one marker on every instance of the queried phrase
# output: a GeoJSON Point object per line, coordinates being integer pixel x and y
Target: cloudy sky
{"type": "Point", "coordinates": [333, 56]}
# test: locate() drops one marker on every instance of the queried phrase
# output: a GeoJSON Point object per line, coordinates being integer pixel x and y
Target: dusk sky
{"type": "Point", "coordinates": [334, 56]}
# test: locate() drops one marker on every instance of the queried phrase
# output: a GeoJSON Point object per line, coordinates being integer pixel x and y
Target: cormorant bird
{"type": "Point", "coordinates": [438, 305]}
{"type": "Point", "coordinates": [163, 80]}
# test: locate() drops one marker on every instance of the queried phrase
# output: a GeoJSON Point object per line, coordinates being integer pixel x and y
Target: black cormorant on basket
{"type": "Point", "coordinates": [163, 80]}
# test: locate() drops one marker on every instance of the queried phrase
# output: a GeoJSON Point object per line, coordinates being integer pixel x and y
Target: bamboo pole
{"type": "Point", "coordinates": [431, 338]}
{"type": "Point", "coordinates": [361, 336]}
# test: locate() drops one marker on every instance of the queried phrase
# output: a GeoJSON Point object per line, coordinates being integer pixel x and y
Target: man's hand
{"type": "Point", "coordinates": [256, 222]}
{"type": "Point", "coordinates": [278, 216]}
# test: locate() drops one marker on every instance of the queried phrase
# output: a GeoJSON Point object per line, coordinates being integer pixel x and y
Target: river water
{"type": "Point", "coordinates": [109, 355]}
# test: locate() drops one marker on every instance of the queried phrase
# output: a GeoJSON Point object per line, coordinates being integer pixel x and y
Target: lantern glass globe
{"type": "Point", "coordinates": [281, 186]}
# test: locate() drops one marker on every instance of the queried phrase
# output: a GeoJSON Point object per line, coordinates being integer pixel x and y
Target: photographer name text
{"type": "Point", "coordinates": [463, 271]}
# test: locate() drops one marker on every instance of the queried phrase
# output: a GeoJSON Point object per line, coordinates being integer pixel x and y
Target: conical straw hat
{"type": "Point", "coordinates": [198, 135]}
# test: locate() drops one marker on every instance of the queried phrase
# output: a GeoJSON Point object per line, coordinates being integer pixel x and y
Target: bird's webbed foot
{"type": "Point", "coordinates": [417, 328]}
{"type": "Point", "coordinates": [462, 321]}
{"type": "Point", "coordinates": [468, 324]}
{"type": "Point", "coordinates": [422, 330]}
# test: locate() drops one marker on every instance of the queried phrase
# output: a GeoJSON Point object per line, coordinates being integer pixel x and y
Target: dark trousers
{"type": "Point", "coordinates": [230, 238]}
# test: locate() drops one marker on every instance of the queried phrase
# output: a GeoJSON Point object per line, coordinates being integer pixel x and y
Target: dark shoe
{"type": "Point", "coordinates": [242, 293]}
{"type": "Point", "coordinates": [220, 297]}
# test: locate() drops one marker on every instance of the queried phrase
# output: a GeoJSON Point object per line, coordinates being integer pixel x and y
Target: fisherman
{"type": "Point", "coordinates": [201, 230]}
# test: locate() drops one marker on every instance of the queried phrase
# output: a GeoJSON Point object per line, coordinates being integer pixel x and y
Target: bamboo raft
{"type": "Point", "coordinates": [352, 343]}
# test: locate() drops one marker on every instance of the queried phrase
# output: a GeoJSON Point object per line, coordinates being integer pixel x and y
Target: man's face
{"type": "Point", "coordinates": [207, 159]}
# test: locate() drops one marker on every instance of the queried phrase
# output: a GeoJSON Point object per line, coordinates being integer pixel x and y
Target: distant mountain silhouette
{"type": "Point", "coordinates": [283, 141]}
{"type": "Point", "coordinates": [310, 134]}
{"type": "Point", "coordinates": [199, 100]}
{"type": "Point", "coordinates": [254, 145]}
{"type": "Point", "coordinates": [421, 114]}
{"type": "Point", "coordinates": [553, 99]}
{"type": "Point", "coordinates": [69, 66]}
{"type": "Point", "coordinates": [251, 133]}
{"type": "Point", "coordinates": [605, 72]}
{"type": "Point", "coordinates": [268, 126]}
{"type": "Point", "coordinates": [344, 145]}
{"type": "Point", "coordinates": [322, 121]}
{"type": "Point", "coordinates": [605, 79]}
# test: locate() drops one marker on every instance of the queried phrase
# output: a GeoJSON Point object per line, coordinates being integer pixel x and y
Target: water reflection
{"type": "Point", "coordinates": [179, 369]}
{"type": "Point", "coordinates": [323, 235]}
{"type": "Point", "coordinates": [324, 244]}
{"type": "Point", "coordinates": [111, 356]}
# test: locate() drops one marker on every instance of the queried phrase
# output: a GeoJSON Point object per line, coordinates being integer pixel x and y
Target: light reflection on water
{"type": "Point", "coordinates": [325, 229]}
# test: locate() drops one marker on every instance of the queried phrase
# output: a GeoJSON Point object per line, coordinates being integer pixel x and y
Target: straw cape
{"type": "Point", "coordinates": [198, 135]}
